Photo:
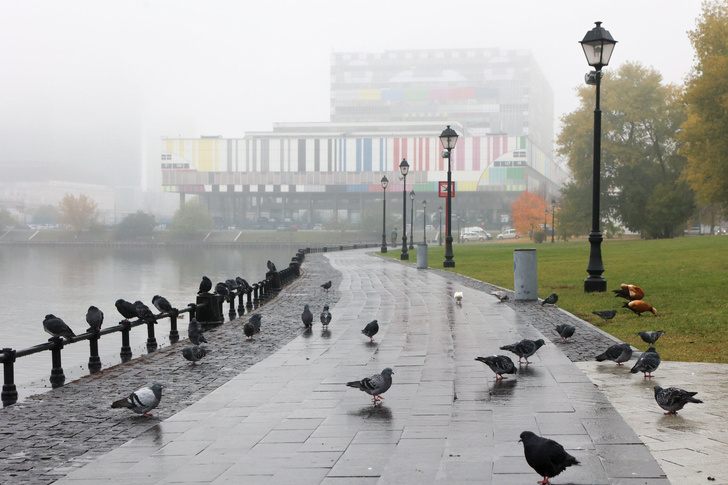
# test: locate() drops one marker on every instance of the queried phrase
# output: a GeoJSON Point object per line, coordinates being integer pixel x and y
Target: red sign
{"type": "Point", "coordinates": [442, 192]}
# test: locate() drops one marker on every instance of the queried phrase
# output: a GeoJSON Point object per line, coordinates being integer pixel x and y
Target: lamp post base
{"type": "Point", "coordinates": [595, 282]}
{"type": "Point", "coordinates": [405, 255]}
{"type": "Point", "coordinates": [449, 255]}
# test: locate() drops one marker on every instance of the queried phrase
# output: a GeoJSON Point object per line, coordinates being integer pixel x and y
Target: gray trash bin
{"type": "Point", "coordinates": [525, 276]}
{"type": "Point", "coordinates": [422, 256]}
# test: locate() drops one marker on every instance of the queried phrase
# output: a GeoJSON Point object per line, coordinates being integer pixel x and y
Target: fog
{"type": "Point", "coordinates": [88, 87]}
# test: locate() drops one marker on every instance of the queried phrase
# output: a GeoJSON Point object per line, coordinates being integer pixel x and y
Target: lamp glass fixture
{"type": "Point", "coordinates": [448, 138]}
{"type": "Point", "coordinates": [404, 167]}
{"type": "Point", "coordinates": [385, 182]}
{"type": "Point", "coordinates": [412, 195]}
{"type": "Point", "coordinates": [598, 45]}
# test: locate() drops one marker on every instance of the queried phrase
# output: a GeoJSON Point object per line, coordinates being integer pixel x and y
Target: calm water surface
{"type": "Point", "coordinates": [65, 281]}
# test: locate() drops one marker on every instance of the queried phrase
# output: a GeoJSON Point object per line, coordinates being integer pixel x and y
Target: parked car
{"type": "Point", "coordinates": [508, 234]}
{"type": "Point", "coordinates": [478, 230]}
{"type": "Point", "coordinates": [471, 236]}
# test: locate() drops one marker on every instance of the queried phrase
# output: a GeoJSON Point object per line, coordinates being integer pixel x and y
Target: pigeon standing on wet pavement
{"type": "Point", "coordinates": [249, 330]}
{"type": "Point", "coordinates": [163, 305]}
{"type": "Point", "coordinates": [307, 317]}
{"type": "Point", "coordinates": [142, 400]}
{"type": "Point", "coordinates": [551, 299]}
{"type": "Point", "coordinates": [565, 330]}
{"type": "Point", "coordinates": [126, 309]}
{"type": "Point", "coordinates": [500, 364]}
{"type": "Point", "coordinates": [371, 330]}
{"type": "Point", "coordinates": [205, 285]}
{"type": "Point", "coordinates": [606, 314]}
{"type": "Point", "coordinates": [375, 385]}
{"type": "Point", "coordinates": [651, 337]}
{"type": "Point", "coordinates": [94, 318]}
{"type": "Point", "coordinates": [325, 317]}
{"type": "Point", "coordinates": [57, 327]}
{"type": "Point", "coordinates": [193, 353]}
{"type": "Point", "coordinates": [525, 348]}
{"type": "Point", "coordinates": [647, 363]}
{"type": "Point", "coordinates": [326, 286]}
{"type": "Point", "coordinates": [144, 312]}
{"type": "Point", "coordinates": [674, 399]}
{"type": "Point", "coordinates": [256, 319]}
{"type": "Point", "coordinates": [618, 353]}
{"type": "Point", "coordinates": [547, 457]}
{"type": "Point", "coordinates": [194, 332]}
{"type": "Point", "coordinates": [501, 295]}
{"type": "Point", "coordinates": [458, 298]}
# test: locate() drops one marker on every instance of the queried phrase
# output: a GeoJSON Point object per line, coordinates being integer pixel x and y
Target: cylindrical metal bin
{"type": "Point", "coordinates": [525, 275]}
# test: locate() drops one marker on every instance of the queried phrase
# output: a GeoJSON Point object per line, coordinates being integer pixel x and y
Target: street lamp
{"type": "Point", "coordinates": [449, 139]}
{"type": "Point", "coordinates": [404, 169]}
{"type": "Point", "coordinates": [598, 45]}
{"type": "Point", "coordinates": [412, 223]}
{"type": "Point", "coordinates": [384, 182]}
{"type": "Point", "coordinates": [439, 232]}
{"type": "Point", "coordinates": [424, 222]}
{"type": "Point", "coordinates": [553, 212]}
{"type": "Point", "coordinates": [545, 215]}
{"type": "Point", "coordinates": [460, 236]}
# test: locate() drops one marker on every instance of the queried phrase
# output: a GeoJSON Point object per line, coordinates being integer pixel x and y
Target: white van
{"type": "Point", "coordinates": [479, 231]}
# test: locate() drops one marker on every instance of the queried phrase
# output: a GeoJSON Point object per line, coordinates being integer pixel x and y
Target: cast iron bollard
{"type": "Point", "coordinates": [151, 338]}
{"type": "Point", "coordinates": [249, 293]}
{"type": "Point", "coordinates": [256, 295]}
{"type": "Point", "coordinates": [57, 377]}
{"type": "Point", "coordinates": [241, 305]}
{"type": "Point", "coordinates": [173, 332]}
{"type": "Point", "coordinates": [10, 392]}
{"type": "Point", "coordinates": [125, 353]}
{"type": "Point", "coordinates": [209, 309]}
{"type": "Point", "coordinates": [94, 361]}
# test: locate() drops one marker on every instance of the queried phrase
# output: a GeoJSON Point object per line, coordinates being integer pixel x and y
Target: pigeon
{"type": "Point", "coordinates": [551, 299]}
{"type": "Point", "coordinates": [375, 385]}
{"type": "Point", "coordinates": [618, 353]}
{"type": "Point", "coordinates": [524, 349]}
{"type": "Point", "coordinates": [326, 286]}
{"type": "Point", "coordinates": [271, 266]}
{"type": "Point", "coordinates": [500, 364]}
{"type": "Point", "coordinates": [674, 399]}
{"type": "Point", "coordinates": [458, 298]}
{"type": "Point", "coordinates": [163, 305]}
{"type": "Point", "coordinates": [222, 290]}
{"type": "Point", "coordinates": [606, 314]}
{"type": "Point", "coordinates": [501, 295]}
{"type": "Point", "coordinates": [94, 318]}
{"type": "Point", "coordinates": [142, 400]}
{"type": "Point", "coordinates": [57, 327]}
{"type": "Point", "coordinates": [231, 285]}
{"type": "Point", "coordinates": [547, 457]}
{"type": "Point", "coordinates": [255, 319]}
{"type": "Point", "coordinates": [651, 337]}
{"type": "Point", "coordinates": [126, 308]}
{"type": "Point", "coordinates": [648, 362]}
{"type": "Point", "coordinates": [371, 330]}
{"type": "Point", "coordinates": [307, 317]}
{"type": "Point", "coordinates": [630, 292]}
{"type": "Point", "coordinates": [242, 283]}
{"type": "Point", "coordinates": [249, 330]}
{"type": "Point", "coordinates": [639, 307]}
{"type": "Point", "coordinates": [194, 332]}
{"type": "Point", "coordinates": [193, 353]}
{"type": "Point", "coordinates": [144, 312]}
{"type": "Point", "coordinates": [205, 285]}
{"type": "Point", "coordinates": [325, 317]}
{"type": "Point", "coordinates": [566, 330]}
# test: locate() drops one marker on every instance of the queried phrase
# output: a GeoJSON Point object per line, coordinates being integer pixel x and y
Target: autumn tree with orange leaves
{"type": "Point", "coordinates": [528, 212]}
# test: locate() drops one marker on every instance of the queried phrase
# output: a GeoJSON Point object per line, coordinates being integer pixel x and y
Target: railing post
{"type": "Point", "coordinates": [241, 305]}
{"type": "Point", "coordinates": [57, 377]}
{"type": "Point", "coordinates": [151, 339]}
{"type": "Point", "coordinates": [94, 361]}
{"type": "Point", "coordinates": [10, 392]}
{"type": "Point", "coordinates": [193, 310]}
{"type": "Point", "coordinates": [231, 312]}
{"type": "Point", "coordinates": [256, 295]}
{"type": "Point", "coordinates": [173, 332]}
{"type": "Point", "coordinates": [249, 293]}
{"type": "Point", "coordinates": [125, 353]}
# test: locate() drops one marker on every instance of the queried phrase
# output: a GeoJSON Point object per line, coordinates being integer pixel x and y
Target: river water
{"type": "Point", "coordinates": [65, 281]}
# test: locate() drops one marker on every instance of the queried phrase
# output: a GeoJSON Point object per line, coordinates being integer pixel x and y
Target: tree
{"type": "Point", "coordinates": [133, 226]}
{"type": "Point", "coordinates": [6, 219]}
{"type": "Point", "coordinates": [528, 212]}
{"type": "Point", "coordinates": [705, 133]}
{"type": "Point", "coordinates": [573, 218]}
{"type": "Point", "coordinates": [80, 213]}
{"type": "Point", "coordinates": [46, 214]}
{"type": "Point", "coordinates": [191, 219]}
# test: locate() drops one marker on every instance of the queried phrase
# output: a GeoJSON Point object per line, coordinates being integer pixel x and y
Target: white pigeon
{"type": "Point", "coordinates": [142, 400]}
{"type": "Point", "coordinates": [459, 298]}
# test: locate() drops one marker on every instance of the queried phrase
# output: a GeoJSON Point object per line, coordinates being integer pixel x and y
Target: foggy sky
{"type": "Point", "coordinates": [88, 87]}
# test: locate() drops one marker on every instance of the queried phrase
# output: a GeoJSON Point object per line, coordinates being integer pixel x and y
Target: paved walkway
{"type": "Point", "coordinates": [291, 419]}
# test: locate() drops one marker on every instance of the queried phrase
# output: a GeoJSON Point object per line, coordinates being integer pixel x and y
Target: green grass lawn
{"type": "Point", "coordinates": [685, 279]}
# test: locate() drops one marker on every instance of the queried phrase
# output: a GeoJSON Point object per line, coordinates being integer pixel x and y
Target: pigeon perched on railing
{"type": "Point", "coordinates": [126, 309]}
{"type": "Point", "coordinates": [205, 285]}
{"type": "Point", "coordinates": [565, 330]}
{"type": "Point", "coordinates": [605, 314]}
{"type": "Point", "coordinates": [630, 292]}
{"type": "Point", "coordinates": [325, 317]}
{"type": "Point", "coordinates": [144, 312]}
{"type": "Point", "coordinates": [651, 337]}
{"type": "Point", "coordinates": [271, 266]}
{"type": "Point", "coordinates": [242, 283]}
{"type": "Point", "coordinates": [193, 353]}
{"type": "Point", "coordinates": [222, 290]}
{"type": "Point", "coordinates": [525, 348]}
{"type": "Point", "coordinates": [639, 307]}
{"type": "Point", "coordinates": [371, 330]}
{"type": "Point", "coordinates": [375, 385]}
{"type": "Point", "coordinates": [618, 353]}
{"type": "Point", "coordinates": [674, 399]}
{"type": "Point", "coordinates": [551, 299]}
{"type": "Point", "coordinates": [501, 295]}
{"type": "Point", "coordinates": [57, 327]}
{"type": "Point", "coordinates": [307, 317]}
{"type": "Point", "coordinates": [194, 332]}
{"type": "Point", "coordinates": [500, 364]}
{"type": "Point", "coordinates": [547, 457]}
{"type": "Point", "coordinates": [164, 306]}
{"type": "Point", "coordinates": [94, 318]}
{"type": "Point", "coordinates": [142, 400]}
{"type": "Point", "coordinates": [647, 363]}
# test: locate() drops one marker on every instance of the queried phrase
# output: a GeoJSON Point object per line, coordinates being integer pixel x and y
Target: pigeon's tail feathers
{"type": "Point", "coordinates": [509, 348]}
{"type": "Point", "coordinates": [122, 403]}
{"type": "Point", "coordinates": [602, 357]}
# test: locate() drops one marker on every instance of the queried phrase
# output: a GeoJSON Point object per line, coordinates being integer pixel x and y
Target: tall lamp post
{"type": "Point", "coordinates": [449, 139]}
{"type": "Point", "coordinates": [545, 220]}
{"type": "Point", "coordinates": [439, 232]}
{"type": "Point", "coordinates": [412, 223]}
{"type": "Point", "coordinates": [385, 182]}
{"type": "Point", "coordinates": [598, 45]}
{"type": "Point", "coordinates": [553, 212]}
{"type": "Point", "coordinates": [460, 236]}
{"type": "Point", "coordinates": [404, 169]}
{"type": "Point", "coordinates": [424, 222]}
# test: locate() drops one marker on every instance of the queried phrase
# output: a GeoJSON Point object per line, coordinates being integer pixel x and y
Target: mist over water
{"type": "Point", "coordinates": [65, 281]}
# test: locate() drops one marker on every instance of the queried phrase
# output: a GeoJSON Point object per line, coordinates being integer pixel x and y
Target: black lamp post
{"type": "Point", "coordinates": [412, 223]}
{"type": "Point", "coordinates": [460, 236]}
{"type": "Point", "coordinates": [449, 139]}
{"type": "Point", "coordinates": [553, 212]}
{"type": "Point", "coordinates": [424, 222]}
{"type": "Point", "coordinates": [385, 182]}
{"type": "Point", "coordinates": [598, 45]}
{"type": "Point", "coordinates": [545, 215]}
{"type": "Point", "coordinates": [439, 232]}
{"type": "Point", "coordinates": [404, 169]}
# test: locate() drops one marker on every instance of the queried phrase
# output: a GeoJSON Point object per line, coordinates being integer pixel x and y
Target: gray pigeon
{"type": "Point", "coordinates": [271, 266]}
{"type": "Point", "coordinates": [618, 353]}
{"type": "Point", "coordinates": [375, 385]}
{"type": "Point", "coordinates": [326, 286]}
{"type": "Point", "coordinates": [524, 349]}
{"type": "Point", "coordinates": [57, 327]}
{"type": "Point", "coordinates": [193, 353]}
{"type": "Point", "coordinates": [651, 337]}
{"type": "Point", "coordinates": [547, 457]}
{"type": "Point", "coordinates": [325, 317]}
{"type": "Point", "coordinates": [249, 330]}
{"type": "Point", "coordinates": [126, 309]}
{"type": "Point", "coordinates": [142, 400]}
{"type": "Point", "coordinates": [205, 285]}
{"type": "Point", "coordinates": [94, 318]}
{"type": "Point", "coordinates": [648, 362]}
{"type": "Point", "coordinates": [371, 330]}
{"type": "Point", "coordinates": [163, 305]}
{"type": "Point", "coordinates": [307, 317]}
{"type": "Point", "coordinates": [194, 332]}
{"type": "Point", "coordinates": [565, 330]}
{"type": "Point", "coordinates": [144, 312]}
{"type": "Point", "coordinates": [674, 399]}
{"type": "Point", "coordinates": [551, 299]}
{"type": "Point", "coordinates": [500, 364]}
{"type": "Point", "coordinates": [606, 314]}
{"type": "Point", "coordinates": [501, 295]}
{"type": "Point", "coordinates": [222, 290]}
{"type": "Point", "coordinates": [242, 283]}
{"type": "Point", "coordinates": [255, 319]}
